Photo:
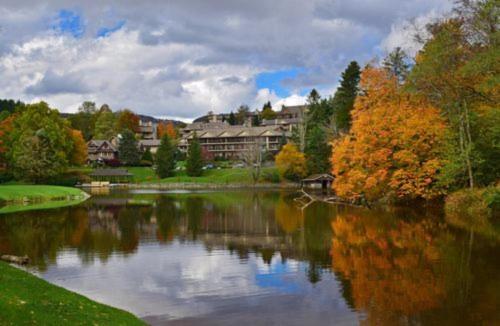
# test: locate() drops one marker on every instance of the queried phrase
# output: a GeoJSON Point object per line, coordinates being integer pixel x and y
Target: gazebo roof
{"type": "Point", "coordinates": [110, 173]}
{"type": "Point", "coordinates": [318, 178]}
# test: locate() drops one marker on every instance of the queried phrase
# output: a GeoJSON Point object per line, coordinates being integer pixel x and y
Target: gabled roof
{"type": "Point", "coordinates": [99, 145]}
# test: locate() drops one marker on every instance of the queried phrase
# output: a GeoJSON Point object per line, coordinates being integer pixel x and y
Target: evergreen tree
{"type": "Point", "coordinates": [232, 119]}
{"type": "Point", "coordinates": [318, 151]}
{"type": "Point", "coordinates": [256, 120]}
{"type": "Point", "coordinates": [396, 64]}
{"type": "Point", "coordinates": [128, 150]}
{"type": "Point", "coordinates": [165, 158]}
{"type": "Point", "coordinates": [194, 163]}
{"type": "Point", "coordinates": [343, 100]}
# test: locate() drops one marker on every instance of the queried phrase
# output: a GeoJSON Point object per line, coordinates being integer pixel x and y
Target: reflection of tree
{"type": "Point", "coordinates": [389, 264]}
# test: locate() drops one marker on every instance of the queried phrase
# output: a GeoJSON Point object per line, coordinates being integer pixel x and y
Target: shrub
{"type": "Point", "coordinates": [271, 176]}
{"type": "Point", "coordinates": [113, 163]}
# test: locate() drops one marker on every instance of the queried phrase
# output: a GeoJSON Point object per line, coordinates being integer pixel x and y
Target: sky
{"type": "Point", "coordinates": [181, 59]}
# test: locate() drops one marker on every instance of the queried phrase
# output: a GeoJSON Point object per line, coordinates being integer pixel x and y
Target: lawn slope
{"type": "Point", "coordinates": [28, 300]}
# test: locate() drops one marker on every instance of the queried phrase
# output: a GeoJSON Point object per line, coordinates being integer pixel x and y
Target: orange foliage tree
{"type": "Point", "coordinates": [79, 152]}
{"type": "Point", "coordinates": [166, 128]}
{"type": "Point", "coordinates": [127, 120]}
{"type": "Point", "coordinates": [291, 163]}
{"type": "Point", "coordinates": [394, 146]}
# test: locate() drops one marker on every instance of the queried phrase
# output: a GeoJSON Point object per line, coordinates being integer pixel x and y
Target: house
{"type": "Point", "coordinates": [233, 141]}
{"type": "Point", "coordinates": [101, 150]}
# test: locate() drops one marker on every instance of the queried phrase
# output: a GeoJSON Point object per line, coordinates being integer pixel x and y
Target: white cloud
{"type": "Point", "coordinates": [190, 57]}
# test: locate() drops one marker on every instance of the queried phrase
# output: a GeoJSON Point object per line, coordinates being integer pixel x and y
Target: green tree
{"type": "Point", "coordinates": [267, 112]}
{"type": "Point", "coordinates": [457, 70]}
{"type": "Point", "coordinates": [165, 158]}
{"type": "Point", "coordinates": [396, 63]}
{"type": "Point", "coordinates": [318, 151]}
{"type": "Point", "coordinates": [194, 163]}
{"type": "Point", "coordinates": [105, 125]}
{"type": "Point", "coordinates": [39, 146]}
{"type": "Point", "coordinates": [232, 119]}
{"type": "Point", "coordinates": [85, 119]}
{"type": "Point", "coordinates": [128, 150]}
{"type": "Point", "coordinates": [343, 100]}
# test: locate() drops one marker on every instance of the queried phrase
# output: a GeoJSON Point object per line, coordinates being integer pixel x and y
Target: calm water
{"type": "Point", "coordinates": [226, 258]}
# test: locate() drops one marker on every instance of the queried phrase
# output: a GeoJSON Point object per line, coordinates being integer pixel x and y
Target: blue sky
{"type": "Point", "coordinates": [273, 80]}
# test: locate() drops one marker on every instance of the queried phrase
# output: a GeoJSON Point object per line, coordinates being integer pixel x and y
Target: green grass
{"type": "Point", "coordinates": [19, 193]}
{"type": "Point", "coordinates": [28, 300]}
{"type": "Point", "coordinates": [222, 176]}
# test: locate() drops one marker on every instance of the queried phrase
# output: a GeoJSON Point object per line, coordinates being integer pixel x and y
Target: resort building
{"type": "Point", "coordinates": [147, 129]}
{"type": "Point", "coordinates": [101, 150]}
{"type": "Point", "coordinates": [234, 141]}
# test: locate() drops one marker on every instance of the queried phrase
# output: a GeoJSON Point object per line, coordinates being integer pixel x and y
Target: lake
{"type": "Point", "coordinates": [257, 258]}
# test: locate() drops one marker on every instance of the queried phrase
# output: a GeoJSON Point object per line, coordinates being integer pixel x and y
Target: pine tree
{"type": "Point", "coordinates": [343, 100]}
{"type": "Point", "coordinates": [147, 156]}
{"type": "Point", "coordinates": [232, 119]}
{"type": "Point", "coordinates": [194, 163]}
{"type": "Point", "coordinates": [128, 150]}
{"type": "Point", "coordinates": [318, 151]}
{"type": "Point", "coordinates": [165, 158]}
{"type": "Point", "coordinates": [396, 64]}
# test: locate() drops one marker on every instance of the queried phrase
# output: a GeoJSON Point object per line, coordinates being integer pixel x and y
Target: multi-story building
{"type": "Point", "coordinates": [288, 117]}
{"type": "Point", "coordinates": [233, 141]}
{"type": "Point", "coordinates": [147, 129]}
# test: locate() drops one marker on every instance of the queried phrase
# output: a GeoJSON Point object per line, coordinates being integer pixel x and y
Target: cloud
{"type": "Point", "coordinates": [188, 57]}
{"type": "Point", "coordinates": [53, 83]}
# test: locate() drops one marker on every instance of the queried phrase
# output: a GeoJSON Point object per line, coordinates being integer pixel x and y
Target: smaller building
{"type": "Point", "coordinates": [101, 150]}
{"type": "Point", "coordinates": [111, 175]}
{"type": "Point", "coordinates": [323, 181]}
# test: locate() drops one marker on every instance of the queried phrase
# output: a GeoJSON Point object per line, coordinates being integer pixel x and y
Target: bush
{"type": "Point", "coordinates": [271, 176]}
{"type": "Point", "coordinates": [145, 163]}
{"type": "Point", "coordinates": [68, 179]}
{"type": "Point", "coordinates": [113, 163]}
{"type": "Point", "coordinates": [6, 176]}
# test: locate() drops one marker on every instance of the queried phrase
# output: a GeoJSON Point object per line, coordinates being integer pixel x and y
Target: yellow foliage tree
{"type": "Point", "coordinates": [291, 163]}
{"type": "Point", "coordinates": [79, 153]}
{"type": "Point", "coordinates": [394, 146]}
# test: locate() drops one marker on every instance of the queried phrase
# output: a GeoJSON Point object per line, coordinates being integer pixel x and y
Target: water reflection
{"type": "Point", "coordinates": [255, 257]}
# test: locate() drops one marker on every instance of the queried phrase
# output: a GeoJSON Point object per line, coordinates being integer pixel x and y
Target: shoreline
{"type": "Point", "coordinates": [197, 186]}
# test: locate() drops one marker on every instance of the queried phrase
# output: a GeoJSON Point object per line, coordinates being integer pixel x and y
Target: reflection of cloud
{"type": "Point", "coordinates": [184, 281]}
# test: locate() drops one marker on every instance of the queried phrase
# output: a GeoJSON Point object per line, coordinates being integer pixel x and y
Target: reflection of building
{"type": "Point", "coordinates": [101, 150]}
{"type": "Point", "coordinates": [234, 141]}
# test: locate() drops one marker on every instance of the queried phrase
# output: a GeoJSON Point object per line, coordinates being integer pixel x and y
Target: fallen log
{"type": "Point", "coordinates": [15, 259]}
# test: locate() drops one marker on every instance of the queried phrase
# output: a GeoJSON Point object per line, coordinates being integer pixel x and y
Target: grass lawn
{"type": "Point", "coordinates": [28, 300]}
{"type": "Point", "coordinates": [18, 193]}
{"type": "Point", "coordinates": [222, 176]}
